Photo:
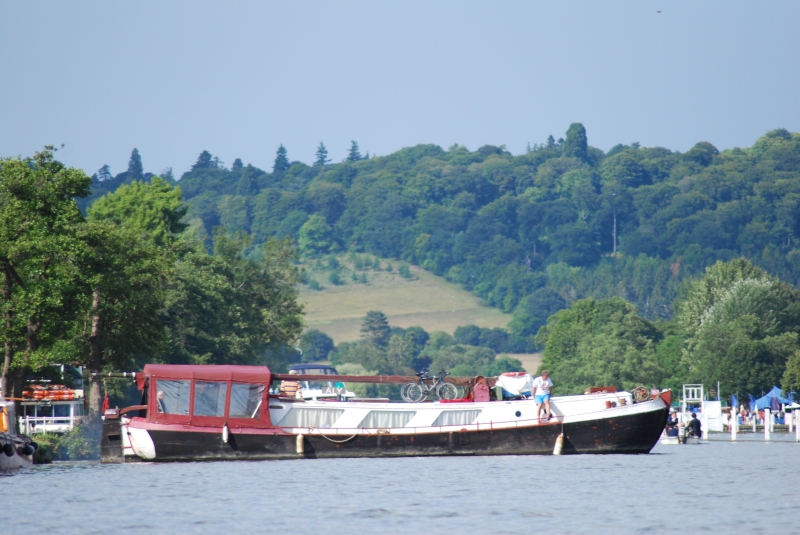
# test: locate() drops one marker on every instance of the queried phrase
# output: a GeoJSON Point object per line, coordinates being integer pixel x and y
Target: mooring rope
{"type": "Point", "coordinates": [335, 441]}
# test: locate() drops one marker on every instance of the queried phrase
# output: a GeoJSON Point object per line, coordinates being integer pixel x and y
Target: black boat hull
{"type": "Point", "coordinates": [634, 433]}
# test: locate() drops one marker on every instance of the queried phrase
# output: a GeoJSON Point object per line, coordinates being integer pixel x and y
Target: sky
{"type": "Point", "coordinates": [239, 78]}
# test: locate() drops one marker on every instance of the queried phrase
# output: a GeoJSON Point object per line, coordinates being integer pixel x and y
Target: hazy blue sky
{"type": "Point", "coordinates": [238, 78]}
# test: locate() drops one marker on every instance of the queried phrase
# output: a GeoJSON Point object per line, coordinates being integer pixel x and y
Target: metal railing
{"type": "Point", "coordinates": [42, 424]}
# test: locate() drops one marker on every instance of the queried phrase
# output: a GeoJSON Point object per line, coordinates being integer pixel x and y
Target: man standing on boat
{"type": "Point", "coordinates": [542, 388]}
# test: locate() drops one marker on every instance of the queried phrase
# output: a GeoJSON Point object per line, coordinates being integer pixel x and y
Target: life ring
{"type": "Point", "coordinates": [4, 420]}
{"type": "Point", "coordinates": [514, 374]}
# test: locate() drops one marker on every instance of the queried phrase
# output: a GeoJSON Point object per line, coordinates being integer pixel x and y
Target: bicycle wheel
{"type": "Point", "coordinates": [447, 391]}
{"type": "Point", "coordinates": [404, 392]}
{"type": "Point", "coordinates": [416, 393]}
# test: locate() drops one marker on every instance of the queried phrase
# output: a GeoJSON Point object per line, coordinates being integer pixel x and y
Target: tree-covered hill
{"type": "Point", "coordinates": [530, 233]}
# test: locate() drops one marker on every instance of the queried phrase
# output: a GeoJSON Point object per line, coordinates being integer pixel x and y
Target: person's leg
{"type": "Point", "coordinates": [538, 407]}
{"type": "Point", "coordinates": [547, 406]}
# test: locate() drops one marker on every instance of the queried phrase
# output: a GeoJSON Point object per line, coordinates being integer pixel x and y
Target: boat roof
{"type": "Point", "coordinates": [225, 372]}
{"type": "Point", "coordinates": [300, 367]}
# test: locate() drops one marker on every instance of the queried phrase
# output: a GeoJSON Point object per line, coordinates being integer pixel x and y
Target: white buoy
{"type": "Point", "coordinates": [559, 444]}
{"type": "Point", "coordinates": [225, 433]}
{"type": "Point", "coordinates": [301, 446]}
{"type": "Point", "coordinates": [767, 419]}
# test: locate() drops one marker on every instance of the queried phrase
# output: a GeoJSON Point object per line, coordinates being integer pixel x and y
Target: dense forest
{"type": "Point", "coordinates": [532, 233]}
{"type": "Point", "coordinates": [635, 266]}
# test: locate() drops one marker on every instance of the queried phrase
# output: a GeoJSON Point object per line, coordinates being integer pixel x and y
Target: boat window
{"type": "Point", "coordinates": [44, 411]}
{"type": "Point", "coordinates": [246, 400]}
{"type": "Point", "coordinates": [61, 411]}
{"type": "Point", "coordinates": [385, 419]}
{"type": "Point", "coordinates": [209, 398]}
{"type": "Point", "coordinates": [456, 418]}
{"type": "Point", "coordinates": [298, 417]}
{"type": "Point", "coordinates": [172, 397]}
{"type": "Point", "coordinates": [77, 409]}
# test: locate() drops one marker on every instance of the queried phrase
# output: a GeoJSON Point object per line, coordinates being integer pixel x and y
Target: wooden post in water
{"type": "Point", "coordinates": [767, 418]}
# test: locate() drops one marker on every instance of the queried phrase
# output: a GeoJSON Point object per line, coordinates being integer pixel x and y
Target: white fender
{"type": "Point", "coordinates": [559, 444]}
{"type": "Point", "coordinates": [300, 444]}
{"type": "Point", "coordinates": [142, 444]}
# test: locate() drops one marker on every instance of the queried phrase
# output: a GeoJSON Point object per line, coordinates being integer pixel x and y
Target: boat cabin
{"type": "Point", "coordinates": [206, 396]}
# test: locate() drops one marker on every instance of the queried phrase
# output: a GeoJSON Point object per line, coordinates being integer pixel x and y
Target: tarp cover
{"type": "Point", "coordinates": [516, 385]}
{"type": "Point", "coordinates": [766, 401]}
{"type": "Point", "coordinates": [241, 374]}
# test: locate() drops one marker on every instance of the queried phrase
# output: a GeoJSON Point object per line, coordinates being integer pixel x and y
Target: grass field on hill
{"type": "Point", "coordinates": [424, 300]}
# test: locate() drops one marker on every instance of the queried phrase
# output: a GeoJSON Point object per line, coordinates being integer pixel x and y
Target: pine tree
{"type": "Point", "coordinates": [104, 173]}
{"type": "Point", "coordinates": [204, 161]}
{"type": "Point", "coordinates": [576, 145]}
{"type": "Point", "coordinates": [281, 164]}
{"type": "Point", "coordinates": [551, 142]}
{"type": "Point", "coordinates": [354, 155]}
{"type": "Point", "coordinates": [322, 155]}
{"type": "Point", "coordinates": [135, 169]}
{"type": "Point", "coordinates": [375, 329]}
{"type": "Point", "coordinates": [237, 164]}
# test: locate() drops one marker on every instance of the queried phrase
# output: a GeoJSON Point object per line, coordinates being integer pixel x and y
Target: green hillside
{"type": "Point", "coordinates": [423, 300]}
{"type": "Point", "coordinates": [640, 265]}
{"type": "Point", "coordinates": [533, 232]}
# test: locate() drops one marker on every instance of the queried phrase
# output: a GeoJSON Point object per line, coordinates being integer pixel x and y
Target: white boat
{"type": "Point", "coordinates": [226, 412]}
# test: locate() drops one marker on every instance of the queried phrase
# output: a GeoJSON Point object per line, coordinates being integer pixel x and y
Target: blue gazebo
{"type": "Point", "coordinates": [766, 401]}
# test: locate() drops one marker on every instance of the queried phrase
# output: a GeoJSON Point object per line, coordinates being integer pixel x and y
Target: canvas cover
{"type": "Point", "coordinates": [766, 401]}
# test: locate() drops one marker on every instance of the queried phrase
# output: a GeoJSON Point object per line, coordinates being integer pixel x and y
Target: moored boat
{"type": "Point", "coordinates": [227, 412]}
{"type": "Point", "coordinates": [16, 451]}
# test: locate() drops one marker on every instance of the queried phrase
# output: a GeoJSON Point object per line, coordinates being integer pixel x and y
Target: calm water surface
{"type": "Point", "coordinates": [720, 487]}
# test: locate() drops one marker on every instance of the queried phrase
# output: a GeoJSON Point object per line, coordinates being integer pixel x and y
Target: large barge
{"type": "Point", "coordinates": [191, 413]}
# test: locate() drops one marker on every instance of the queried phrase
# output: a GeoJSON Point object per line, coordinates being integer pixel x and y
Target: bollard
{"type": "Point", "coordinates": [767, 419]}
{"type": "Point", "coordinates": [754, 417]}
{"type": "Point", "coordinates": [789, 416]}
{"type": "Point", "coordinates": [796, 414]}
{"type": "Point", "coordinates": [734, 421]}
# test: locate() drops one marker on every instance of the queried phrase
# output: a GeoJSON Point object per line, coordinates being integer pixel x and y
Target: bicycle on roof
{"type": "Point", "coordinates": [418, 391]}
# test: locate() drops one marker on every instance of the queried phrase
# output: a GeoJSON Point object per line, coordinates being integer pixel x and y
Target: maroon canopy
{"type": "Point", "coordinates": [210, 372]}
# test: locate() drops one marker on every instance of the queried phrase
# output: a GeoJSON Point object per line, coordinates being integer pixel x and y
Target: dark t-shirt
{"type": "Point", "coordinates": [694, 425]}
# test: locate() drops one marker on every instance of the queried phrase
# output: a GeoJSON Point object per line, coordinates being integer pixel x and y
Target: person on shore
{"type": "Point", "coordinates": [542, 388]}
{"type": "Point", "coordinates": [694, 427]}
{"type": "Point", "coordinates": [291, 389]}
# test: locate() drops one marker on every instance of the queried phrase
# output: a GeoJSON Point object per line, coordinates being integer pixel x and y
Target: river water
{"type": "Point", "coordinates": [723, 487]}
